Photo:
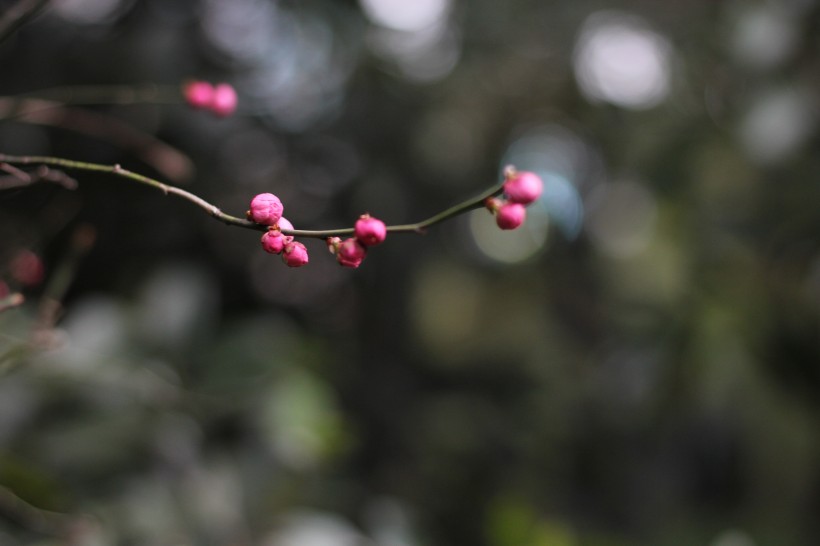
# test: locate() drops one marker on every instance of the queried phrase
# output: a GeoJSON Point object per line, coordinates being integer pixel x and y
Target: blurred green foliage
{"type": "Point", "coordinates": [641, 365]}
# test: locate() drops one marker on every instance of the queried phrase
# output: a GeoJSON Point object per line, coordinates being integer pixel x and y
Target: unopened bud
{"type": "Point", "coordinates": [265, 209]}
{"type": "Point", "coordinates": [295, 254]}
{"type": "Point", "coordinates": [510, 215]}
{"type": "Point", "coordinates": [350, 253]}
{"type": "Point", "coordinates": [370, 231]}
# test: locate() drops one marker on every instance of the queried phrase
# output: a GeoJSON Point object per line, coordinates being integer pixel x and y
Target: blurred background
{"type": "Point", "coordinates": [638, 365]}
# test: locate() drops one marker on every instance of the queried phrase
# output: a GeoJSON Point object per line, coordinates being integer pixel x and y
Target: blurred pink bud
{"type": "Point", "coordinates": [273, 241]}
{"type": "Point", "coordinates": [510, 215]}
{"type": "Point", "coordinates": [266, 209]}
{"type": "Point", "coordinates": [198, 94]}
{"type": "Point", "coordinates": [27, 268]}
{"type": "Point", "coordinates": [523, 187]}
{"type": "Point", "coordinates": [370, 231]}
{"type": "Point", "coordinates": [295, 254]}
{"type": "Point", "coordinates": [4, 290]}
{"type": "Point", "coordinates": [350, 253]}
{"type": "Point", "coordinates": [224, 100]}
{"type": "Point", "coordinates": [284, 223]}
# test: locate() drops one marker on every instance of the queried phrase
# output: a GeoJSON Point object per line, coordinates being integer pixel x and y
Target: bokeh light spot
{"type": "Point", "coordinates": [562, 161]}
{"type": "Point", "coordinates": [619, 60]}
{"type": "Point", "coordinates": [296, 64]}
{"type": "Point", "coordinates": [301, 421]}
{"type": "Point", "coordinates": [621, 218]}
{"type": "Point", "coordinates": [777, 123]}
{"type": "Point", "coordinates": [764, 36]}
{"type": "Point", "coordinates": [313, 528]}
{"type": "Point", "coordinates": [405, 16]}
{"type": "Point", "coordinates": [514, 245]}
{"type": "Point", "coordinates": [90, 12]}
{"type": "Point", "coordinates": [422, 56]}
{"type": "Point", "coordinates": [562, 203]}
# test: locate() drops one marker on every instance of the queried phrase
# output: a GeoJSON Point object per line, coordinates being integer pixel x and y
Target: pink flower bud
{"type": "Point", "coordinates": [273, 241]}
{"type": "Point", "coordinates": [284, 223]}
{"type": "Point", "coordinates": [523, 187]}
{"type": "Point", "coordinates": [224, 100]}
{"type": "Point", "coordinates": [510, 215]}
{"type": "Point", "coordinates": [266, 209]}
{"type": "Point", "coordinates": [295, 254]}
{"type": "Point", "coordinates": [370, 231]}
{"type": "Point", "coordinates": [27, 268]}
{"type": "Point", "coordinates": [198, 94]}
{"type": "Point", "coordinates": [350, 253]}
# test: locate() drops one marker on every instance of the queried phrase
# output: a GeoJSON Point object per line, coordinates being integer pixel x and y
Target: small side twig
{"type": "Point", "coordinates": [18, 178]}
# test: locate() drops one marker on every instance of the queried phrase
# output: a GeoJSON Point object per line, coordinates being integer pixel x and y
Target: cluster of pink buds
{"type": "Point", "coordinates": [219, 99]}
{"type": "Point", "coordinates": [267, 209]}
{"type": "Point", "coordinates": [520, 189]}
{"type": "Point", "coordinates": [367, 232]}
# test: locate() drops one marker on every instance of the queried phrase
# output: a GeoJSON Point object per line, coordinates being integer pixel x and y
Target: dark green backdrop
{"type": "Point", "coordinates": [640, 365]}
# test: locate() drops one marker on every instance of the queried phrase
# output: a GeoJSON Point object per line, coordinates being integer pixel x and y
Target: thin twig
{"type": "Point", "coordinates": [18, 178]}
{"type": "Point", "coordinates": [213, 210]}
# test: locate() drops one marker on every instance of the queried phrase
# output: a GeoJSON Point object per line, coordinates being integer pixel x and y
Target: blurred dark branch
{"type": "Point", "coordinates": [51, 304]}
{"type": "Point", "coordinates": [166, 159]}
{"type": "Point", "coordinates": [213, 210]}
{"type": "Point", "coordinates": [108, 94]}
{"type": "Point", "coordinates": [19, 14]}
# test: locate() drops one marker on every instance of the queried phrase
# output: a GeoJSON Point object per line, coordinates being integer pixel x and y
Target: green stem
{"type": "Point", "coordinates": [213, 210]}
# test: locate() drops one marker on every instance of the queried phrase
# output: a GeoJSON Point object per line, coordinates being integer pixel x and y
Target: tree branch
{"type": "Point", "coordinates": [213, 210]}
